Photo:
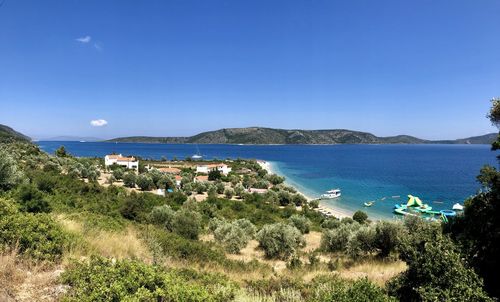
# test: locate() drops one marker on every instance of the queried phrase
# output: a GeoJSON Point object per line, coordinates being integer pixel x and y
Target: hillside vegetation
{"type": "Point", "coordinates": [74, 230]}
{"type": "Point", "coordinates": [258, 135]}
{"type": "Point", "coordinates": [9, 134]}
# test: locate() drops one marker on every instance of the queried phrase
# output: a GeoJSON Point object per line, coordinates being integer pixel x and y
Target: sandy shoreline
{"type": "Point", "coordinates": [324, 209]}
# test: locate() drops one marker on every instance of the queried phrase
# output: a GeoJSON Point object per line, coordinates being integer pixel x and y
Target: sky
{"type": "Point", "coordinates": [105, 69]}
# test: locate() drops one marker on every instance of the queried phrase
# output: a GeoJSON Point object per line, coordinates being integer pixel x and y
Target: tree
{"type": "Point", "coordinates": [239, 190]}
{"type": "Point", "coordinates": [10, 175]}
{"type": "Point", "coordinates": [187, 223]}
{"type": "Point", "coordinates": [477, 230]}
{"type": "Point", "coordinates": [32, 200]}
{"type": "Point", "coordinates": [214, 174]}
{"type": "Point", "coordinates": [388, 236]}
{"type": "Point", "coordinates": [302, 223]}
{"type": "Point", "coordinates": [118, 173]}
{"type": "Point", "coordinates": [229, 193]}
{"type": "Point", "coordinates": [61, 152]}
{"type": "Point", "coordinates": [129, 180]}
{"type": "Point", "coordinates": [144, 182]}
{"type": "Point", "coordinates": [279, 240]}
{"type": "Point", "coordinates": [162, 215]}
{"type": "Point", "coordinates": [435, 271]}
{"type": "Point", "coordinates": [360, 217]}
{"type": "Point", "coordinates": [233, 235]}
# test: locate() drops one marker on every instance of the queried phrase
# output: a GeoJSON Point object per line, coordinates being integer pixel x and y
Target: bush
{"type": "Point", "coordinates": [362, 242]}
{"type": "Point", "coordinates": [229, 193]}
{"type": "Point", "coordinates": [336, 240]}
{"type": "Point", "coordinates": [10, 175]}
{"type": "Point", "coordinates": [128, 280]}
{"type": "Point", "coordinates": [302, 223]}
{"type": "Point", "coordinates": [187, 223]}
{"type": "Point", "coordinates": [144, 182]}
{"type": "Point", "coordinates": [233, 236]}
{"type": "Point", "coordinates": [388, 235]}
{"type": "Point", "coordinates": [214, 175]}
{"type": "Point", "coordinates": [332, 288]}
{"type": "Point", "coordinates": [436, 271]}
{"type": "Point", "coordinates": [129, 180]}
{"type": "Point", "coordinates": [32, 200]}
{"type": "Point", "coordinates": [360, 217]}
{"type": "Point", "coordinates": [330, 223]}
{"type": "Point", "coordinates": [314, 204]}
{"type": "Point", "coordinates": [162, 215]}
{"type": "Point", "coordinates": [36, 236]}
{"type": "Point", "coordinates": [279, 240]}
{"type": "Point", "coordinates": [118, 173]}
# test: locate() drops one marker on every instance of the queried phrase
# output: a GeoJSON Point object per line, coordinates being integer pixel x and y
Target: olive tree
{"type": "Point", "coordinates": [280, 240]}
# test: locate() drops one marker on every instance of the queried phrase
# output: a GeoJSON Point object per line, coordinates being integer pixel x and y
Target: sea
{"type": "Point", "coordinates": [441, 175]}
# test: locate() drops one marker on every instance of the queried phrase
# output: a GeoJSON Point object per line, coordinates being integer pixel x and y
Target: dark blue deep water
{"type": "Point", "coordinates": [439, 174]}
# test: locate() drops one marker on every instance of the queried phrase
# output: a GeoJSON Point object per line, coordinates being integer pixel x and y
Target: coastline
{"type": "Point", "coordinates": [323, 208]}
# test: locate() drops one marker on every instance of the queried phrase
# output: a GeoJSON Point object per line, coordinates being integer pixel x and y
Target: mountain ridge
{"type": "Point", "coordinates": [7, 133]}
{"type": "Point", "coordinates": [268, 136]}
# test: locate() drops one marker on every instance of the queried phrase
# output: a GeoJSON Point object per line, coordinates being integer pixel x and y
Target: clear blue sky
{"type": "Point", "coordinates": [426, 68]}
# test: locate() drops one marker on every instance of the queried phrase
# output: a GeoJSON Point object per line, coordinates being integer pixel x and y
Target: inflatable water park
{"type": "Point", "coordinates": [416, 207]}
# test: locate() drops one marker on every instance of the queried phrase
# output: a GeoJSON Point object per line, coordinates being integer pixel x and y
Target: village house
{"type": "Point", "coordinates": [223, 168]}
{"type": "Point", "coordinates": [120, 160]}
{"type": "Point", "coordinates": [178, 180]}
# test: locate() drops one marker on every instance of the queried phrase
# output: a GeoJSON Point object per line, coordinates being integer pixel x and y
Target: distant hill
{"type": "Point", "coordinates": [7, 133]}
{"type": "Point", "coordinates": [72, 139]}
{"type": "Point", "coordinates": [263, 136]}
{"type": "Point", "coordinates": [482, 139]}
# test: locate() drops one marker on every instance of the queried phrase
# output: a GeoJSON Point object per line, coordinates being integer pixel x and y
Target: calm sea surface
{"type": "Point", "coordinates": [439, 174]}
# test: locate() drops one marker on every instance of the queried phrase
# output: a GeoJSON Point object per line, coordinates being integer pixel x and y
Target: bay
{"type": "Point", "coordinates": [441, 175]}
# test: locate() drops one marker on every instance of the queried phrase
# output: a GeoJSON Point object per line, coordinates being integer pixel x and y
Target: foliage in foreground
{"type": "Point", "coordinates": [324, 288]}
{"type": "Point", "coordinates": [435, 271]}
{"type": "Point", "coordinates": [128, 280]}
{"type": "Point", "coordinates": [33, 235]}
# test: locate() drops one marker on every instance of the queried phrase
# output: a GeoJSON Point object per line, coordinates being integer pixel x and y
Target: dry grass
{"type": "Point", "coordinates": [24, 281]}
{"type": "Point", "coordinates": [112, 244]}
{"type": "Point", "coordinates": [378, 271]}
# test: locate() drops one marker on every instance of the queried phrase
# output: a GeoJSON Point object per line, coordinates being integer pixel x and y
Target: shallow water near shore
{"type": "Point", "coordinates": [440, 175]}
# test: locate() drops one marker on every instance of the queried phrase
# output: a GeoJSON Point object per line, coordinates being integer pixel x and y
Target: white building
{"type": "Point", "coordinates": [118, 159]}
{"type": "Point", "coordinates": [223, 168]}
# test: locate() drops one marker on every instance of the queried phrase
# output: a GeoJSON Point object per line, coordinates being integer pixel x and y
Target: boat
{"type": "Point", "coordinates": [458, 207]}
{"type": "Point", "coordinates": [197, 155]}
{"type": "Point", "coordinates": [334, 193]}
{"type": "Point", "coordinates": [369, 203]}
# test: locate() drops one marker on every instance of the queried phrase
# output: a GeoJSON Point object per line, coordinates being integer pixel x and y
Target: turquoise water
{"type": "Point", "coordinates": [439, 174]}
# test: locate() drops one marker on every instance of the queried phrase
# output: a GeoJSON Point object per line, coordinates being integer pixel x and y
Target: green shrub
{"type": "Point", "coordinates": [436, 271]}
{"type": "Point", "coordinates": [162, 215]}
{"type": "Point", "coordinates": [144, 182]}
{"type": "Point", "coordinates": [229, 193]}
{"type": "Point", "coordinates": [36, 236]}
{"type": "Point", "coordinates": [127, 280]}
{"type": "Point", "coordinates": [187, 223]}
{"type": "Point", "coordinates": [388, 235]}
{"type": "Point", "coordinates": [362, 242]}
{"type": "Point", "coordinates": [360, 217]}
{"type": "Point", "coordinates": [314, 204]}
{"type": "Point", "coordinates": [32, 200]}
{"type": "Point", "coordinates": [232, 235]}
{"type": "Point", "coordinates": [302, 223]}
{"type": "Point", "coordinates": [336, 240]}
{"type": "Point", "coordinates": [279, 240]}
{"type": "Point", "coordinates": [129, 180]}
{"type": "Point", "coordinates": [330, 223]}
{"type": "Point", "coordinates": [10, 175]}
{"type": "Point", "coordinates": [333, 288]}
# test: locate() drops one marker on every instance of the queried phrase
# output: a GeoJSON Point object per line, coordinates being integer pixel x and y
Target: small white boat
{"type": "Point", "coordinates": [458, 207]}
{"type": "Point", "coordinates": [196, 156]}
{"type": "Point", "coordinates": [331, 194]}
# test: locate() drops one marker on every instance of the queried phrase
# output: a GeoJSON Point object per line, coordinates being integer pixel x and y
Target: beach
{"type": "Point", "coordinates": [323, 208]}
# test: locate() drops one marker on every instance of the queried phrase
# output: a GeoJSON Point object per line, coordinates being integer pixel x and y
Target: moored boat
{"type": "Point", "coordinates": [334, 193]}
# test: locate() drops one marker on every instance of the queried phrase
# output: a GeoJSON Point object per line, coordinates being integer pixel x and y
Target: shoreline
{"type": "Point", "coordinates": [327, 210]}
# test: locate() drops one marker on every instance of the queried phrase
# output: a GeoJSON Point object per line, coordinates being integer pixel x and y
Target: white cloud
{"type": "Point", "coordinates": [98, 123]}
{"type": "Point", "coordinates": [84, 40]}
